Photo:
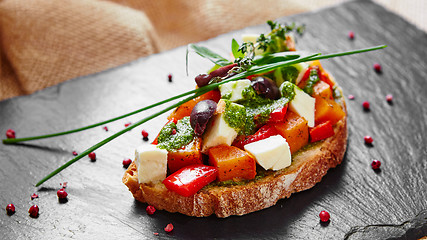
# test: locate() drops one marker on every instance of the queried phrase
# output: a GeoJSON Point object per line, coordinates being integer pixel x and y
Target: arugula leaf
{"type": "Point", "coordinates": [235, 49]}
{"type": "Point", "coordinates": [213, 57]}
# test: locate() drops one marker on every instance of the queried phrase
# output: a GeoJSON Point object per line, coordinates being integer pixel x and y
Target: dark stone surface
{"type": "Point", "coordinates": [363, 204]}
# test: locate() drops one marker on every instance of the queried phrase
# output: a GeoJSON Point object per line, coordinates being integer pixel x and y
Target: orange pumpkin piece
{"type": "Point", "coordinates": [232, 163]}
{"type": "Point", "coordinates": [327, 110]}
{"type": "Point", "coordinates": [189, 155]}
{"type": "Point", "coordinates": [322, 90]}
{"type": "Point", "coordinates": [185, 109]}
{"type": "Point", "coordinates": [294, 130]}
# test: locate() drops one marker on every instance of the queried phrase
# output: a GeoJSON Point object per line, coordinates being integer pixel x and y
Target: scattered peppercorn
{"type": "Point", "coordinates": [61, 193]}
{"type": "Point", "coordinates": [389, 98]}
{"type": "Point", "coordinates": [10, 133]}
{"type": "Point", "coordinates": [127, 124]}
{"type": "Point", "coordinates": [377, 67]}
{"type": "Point", "coordinates": [144, 133]}
{"type": "Point", "coordinates": [324, 216]}
{"type": "Point", "coordinates": [156, 234]}
{"type": "Point", "coordinates": [34, 196]}
{"type": "Point", "coordinates": [75, 153]}
{"type": "Point", "coordinates": [64, 185]}
{"type": "Point", "coordinates": [150, 210]}
{"type": "Point", "coordinates": [368, 139]}
{"type": "Point", "coordinates": [169, 227]}
{"type": "Point", "coordinates": [105, 128]}
{"type": "Point", "coordinates": [366, 105]}
{"type": "Point", "coordinates": [10, 209]}
{"type": "Point", "coordinates": [351, 97]}
{"type": "Point", "coordinates": [126, 163]}
{"type": "Point", "coordinates": [34, 211]}
{"type": "Point", "coordinates": [170, 77]}
{"type": "Point", "coordinates": [92, 156]}
{"type": "Point", "coordinates": [351, 35]}
{"type": "Point", "coordinates": [376, 164]}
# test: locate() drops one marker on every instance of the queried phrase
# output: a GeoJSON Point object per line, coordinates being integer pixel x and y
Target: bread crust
{"type": "Point", "coordinates": [307, 168]}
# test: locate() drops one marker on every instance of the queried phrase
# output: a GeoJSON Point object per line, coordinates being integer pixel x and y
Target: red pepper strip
{"type": "Point", "coordinates": [188, 180]}
{"type": "Point", "coordinates": [306, 76]}
{"type": "Point", "coordinates": [321, 131]}
{"type": "Point", "coordinates": [171, 120]}
{"type": "Point", "coordinates": [264, 132]}
{"type": "Point", "coordinates": [278, 115]}
{"type": "Point", "coordinates": [324, 77]}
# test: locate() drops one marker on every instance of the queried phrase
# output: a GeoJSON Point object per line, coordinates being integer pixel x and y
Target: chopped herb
{"type": "Point", "coordinates": [184, 134]}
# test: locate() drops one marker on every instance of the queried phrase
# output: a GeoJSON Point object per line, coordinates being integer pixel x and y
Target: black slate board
{"type": "Point", "coordinates": [363, 204]}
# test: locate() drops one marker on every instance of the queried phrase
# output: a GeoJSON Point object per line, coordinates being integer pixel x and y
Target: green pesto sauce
{"type": "Point", "coordinates": [258, 109]}
{"type": "Point", "coordinates": [184, 135]}
{"type": "Point", "coordinates": [289, 74]}
{"type": "Point", "coordinates": [312, 80]}
{"type": "Point", "coordinates": [226, 96]}
{"type": "Point", "coordinates": [234, 115]}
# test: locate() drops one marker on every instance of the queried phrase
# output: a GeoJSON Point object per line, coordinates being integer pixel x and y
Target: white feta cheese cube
{"type": "Point", "coordinates": [218, 133]}
{"type": "Point", "coordinates": [271, 153]}
{"type": "Point", "coordinates": [303, 104]}
{"type": "Point", "coordinates": [151, 163]}
{"type": "Point", "coordinates": [234, 89]}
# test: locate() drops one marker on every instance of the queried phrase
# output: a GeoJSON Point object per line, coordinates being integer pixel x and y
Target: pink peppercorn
{"type": "Point", "coordinates": [376, 164]}
{"type": "Point", "coordinates": [10, 209]}
{"type": "Point", "coordinates": [368, 139]}
{"type": "Point", "coordinates": [75, 153]}
{"type": "Point", "coordinates": [126, 162]}
{"type": "Point", "coordinates": [377, 67]}
{"type": "Point", "coordinates": [61, 193]}
{"type": "Point", "coordinates": [105, 128]}
{"type": "Point", "coordinates": [169, 227]}
{"type": "Point", "coordinates": [324, 216]}
{"type": "Point", "coordinates": [92, 156]}
{"type": "Point", "coordinates": [170, 77]}
{"type": "Point", "coordinates": [34, 211]}
{"type": "Point", "coordinates": [150, 210]}
{"type": "Point", "coordinates": [10, 133]}
{"type": "Point", "coordinates": [144, 133]}
{"type": "Point", "coordinates": [366, 105]}
{"type": "Point", "coordinates": [351, 97]}
{"type": "Point", "coordinates": [34, 196]}
{"type": "Point", "coordinates": [389, 98]}
{"type": "Point", "coordinates": [127, 124]}
{"type": "Point", "coordinates": [351, 35]}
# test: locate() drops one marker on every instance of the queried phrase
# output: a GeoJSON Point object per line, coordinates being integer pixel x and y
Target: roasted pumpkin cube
{"type": "Point", "coordinates": [190, 154]}
{"type": "Point", "coordinates": [232, 163]}
{"type": "Point", "coordinates": [185, 109]}
{"type": "Point", "coordinates": [327, 110]}
{"type": "Point", "coordinates": [322, 90]}
{"type": "Point", "coordinates": [294, 130]}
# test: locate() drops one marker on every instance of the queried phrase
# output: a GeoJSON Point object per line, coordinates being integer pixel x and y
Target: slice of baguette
{"type": "Point", "coordinates": [307, 168]}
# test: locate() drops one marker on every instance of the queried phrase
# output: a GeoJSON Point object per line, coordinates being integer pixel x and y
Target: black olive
{"type": "Point", "coordinates": [201, 114]}
{"type": "Point", "coordinates": [266, 87]}
{"type": "Point", "coordinates": [202, 79]}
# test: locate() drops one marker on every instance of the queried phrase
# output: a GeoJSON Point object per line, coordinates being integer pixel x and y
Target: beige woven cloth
{"type": "Point", "coordinates": [45, 42]}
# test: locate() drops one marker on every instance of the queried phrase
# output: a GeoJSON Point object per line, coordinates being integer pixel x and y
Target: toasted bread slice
{"type": "Point", "coordinates": [308, 167]}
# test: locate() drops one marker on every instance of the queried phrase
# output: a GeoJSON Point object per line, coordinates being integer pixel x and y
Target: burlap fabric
{"type": "Point", "coordinates": [44, 42]}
